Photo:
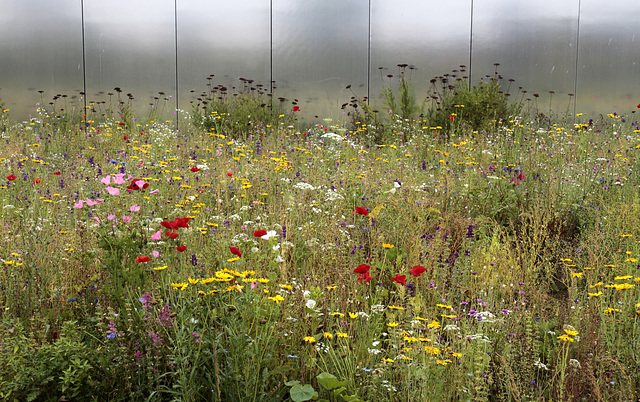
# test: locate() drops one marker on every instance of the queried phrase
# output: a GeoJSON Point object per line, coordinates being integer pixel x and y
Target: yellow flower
{"type": "Point", "coordinates": [337, 314]}
{"type": "Point", "coordinates": [392, 324]}
{"type": "Point", "coordinates": [277, 298]}
{"type": "Point", "coordinates": [432, 350]}
{"type": "Point", "coordinates": [160, 268]}
{"type": "Point", "coordinates": [385, 245]}
{"type": "Point", "coordinates": [181, 286]}
{"type": "Point", "coordinates": [434, 324]}
{"type": "Point", "coordinates": [622, 278]}
{"type": "Point", "coordinates": [612, 310]}
{"type": "Point", "coordinates": [309, 339]}
{"type": "Point", "coordinates": [331, 287]}
{"type": "Point", "coordinates": [565, 338]}
{"type": "Point", "coordinates": [626, 235]}
{"type": "Point", "coordinates": [342, 335]}
{"type": "Point", "coordinates": [286, 287]}
{"type": "Point", "coordinates": [594, 294]}
{"type": "Point", "coordinates": [566, 260]}
{"type": "Point", "coordinates": [263, 280]}
{"type": "Point", "coordinates": [455, 354]}
{"type": "Point", "coordinates": [328, 335]}
{"type": "Point", "coordinates": [443, 362]}
{"type": "Point", "coordinates": [630, 260]}
{"type": "Point", "coordinates": [396, 308]}
{"type": "Point", "coordinates": [448, 316]}
{"type": "Point", "coordinates": [421, 319]}
{"type": "Point", "coordinates": [442, 305]}
{"type": "Point", "coordinates": [387, 360]}
{"type": "Point", "coordinates": [193, 281]}
{"type": "Point", "coordinates": [596, 285]}
{"type": "Point", "coordinates": [577, 274]}
{"type": "Point", "coordinates": [353, 315]}
{"type": "Point", "coordinates": [233, 259]}
{"type": "Point", "coordinates": [570, 332]}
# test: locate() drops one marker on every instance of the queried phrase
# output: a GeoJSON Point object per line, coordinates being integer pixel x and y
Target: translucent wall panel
{"type": "Point", "coordinates": [320, 47]}
{"type": "Point", "coordinates": [227, 39]}
{"type": "Point", "coordinates": [609, 57]}
{"type": "Point", "coordinates": [131, 45]}
{"type": "Point", "coordinates": [535, 44]}
{"type": "Point", "coordinates": [40, 50]}
{"type": "Point", "coordinates": [431, 35]}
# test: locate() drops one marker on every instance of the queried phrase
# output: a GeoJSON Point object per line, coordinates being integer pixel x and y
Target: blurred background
{"type": "Point", "coordinates": [576, 55]}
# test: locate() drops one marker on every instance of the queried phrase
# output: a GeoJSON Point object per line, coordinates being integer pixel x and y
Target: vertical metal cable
{"type": "Point", "coordinates": [271, 47]}
{"type": "Point", "coordinates": [369, 60]}
{"type": "Point", "coordinates": [175, 38]}
{"type": "Point", "coordinates": [470, 44]}
{"type": "Point", "coordinates": [84, 64]}
{"type": "Point", "coordinates": [575, 83]}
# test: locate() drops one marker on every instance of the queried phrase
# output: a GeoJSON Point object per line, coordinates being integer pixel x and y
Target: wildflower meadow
{"type": "Point", "coordinates": [458, 250]}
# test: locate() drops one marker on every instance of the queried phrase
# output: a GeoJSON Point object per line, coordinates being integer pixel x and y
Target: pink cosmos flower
{"type": "Point", "coordinates": [119, 179]}
{"type": "Point", "coordinates": [155, 254]}
{"type": "Point", "coordinates": [106, 180]}
{"type": "Point", "coordinates": [157, 235]}
{"type": "Point", "coordinates": [134, 208]}
{"type": "Point", "coordinates": [126, 219]}
{"type": "Point", "coordinates": [78, 204]}
{"type": "Point", "coordinates": [112, 190]}
{"type": "Point", "coordinates": [111, 217]}
{"type": "Point", "coordinates": [156, 191]}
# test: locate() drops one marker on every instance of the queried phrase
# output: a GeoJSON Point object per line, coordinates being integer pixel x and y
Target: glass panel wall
{"type": "Point", "coordinates": [130, 45]}
{"type": "Point", "coordinates": [534, 43]}
{"type": "Point", "coordinates": [320, 47]}
{"type": "Point", "coordinates": [41, 50]}
{"type": "Point", "coordinates": [432, 37]}
{"type": "Point", "coordinates": [609, 57]}
{"type": "Point", "coordinates": [229, 40]}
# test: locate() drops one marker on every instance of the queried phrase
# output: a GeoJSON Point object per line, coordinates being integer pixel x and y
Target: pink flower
{"type": "Point", "coordinates": [141, 164]}
{"type": "Point", "coordinates": [134, 208]}
{"type": "Point", "coordinates": [112, 190]}
{"type": "Point", "coordinates": [106, 180]}
{"type": "Point", "coordinates": [155, 254]}
{"type": "Point", "coordinates": [111, 217]}
{"type": "Point", "coordinates": [91, 203]}
{"type": "Point", "coordinates": [126, 219]}
{"type": "Point", "coordinates": [119, 179]}
{"type": "Point", "coordinates": [95, 218]}
{"type": "Point", "coordinates": [157, 235]}
{"type": "Point", "coordinates": [156, 191]}
{"type": "Point", "coordinates": [78, 204]}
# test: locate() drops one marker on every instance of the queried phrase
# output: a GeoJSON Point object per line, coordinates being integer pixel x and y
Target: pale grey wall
{"type": "Point", "coordinates": [314, 48]}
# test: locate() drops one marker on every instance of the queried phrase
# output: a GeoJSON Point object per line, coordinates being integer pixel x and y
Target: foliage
{"type": "Point", "coordinates": [331, 262]}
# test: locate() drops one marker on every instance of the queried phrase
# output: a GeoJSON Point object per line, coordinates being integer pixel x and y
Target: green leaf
{"type": "Point", "coordinates": [292, 383]}
{"type": "Point", "coordinates": [330, 381]}
{"type": "Point", "coordinates": [301, 393]}
{"type": "Point", "coordinates": [338, 391]}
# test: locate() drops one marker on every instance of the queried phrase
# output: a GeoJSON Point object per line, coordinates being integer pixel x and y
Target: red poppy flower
{"type": "Point", "coordinates": [12, 177]}
{"type": "Point", "coordinates": [296, 108]}
{"type": "Point", "coordinates": [417, 270]}
{"type": "Point", "coordinates": [401, 279]}
{"type": "Point", "coordinates": [638, 106]}
{"type": "Point", "coordinates": [142, 258]}
{"type": "Point", "coordinates": [195, 169]}
{"type": "Point", "coordinates": [121, 123]}
{"type": "Point", "coordinates": [362, 269]}
{"type": "Point", "coordinates": [181, 248]}
{"type": "Point", "coordinates": [169, 225]}
{"type": "Point", "coordinates": [365, 277]}
{"type": "Point", "coordinates": [361, 210]}
{"type": "Point", "coordinates": [182, 222]}
{"type": "Point", "coordinates": [229, 174]}
{"type": "Point", "coordinates": [57, 173]}
{"type": "Point", "coordinates": [235, 250]}
{"type": "Point", "coordinates": [134, 186]}
{"type": "Point", "coordinates": [172, 235]}
{"type": "Point", "coordinates": [125, 138]}
{"type": "Point", "coordinates": [259, 233]}
{"type": "Point", "coordinates": [36, 181]}
{"type": "Point", "coordinates": [452, 118]}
